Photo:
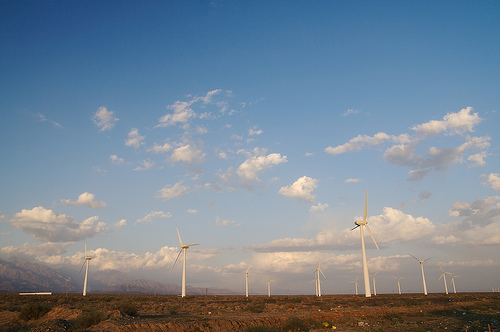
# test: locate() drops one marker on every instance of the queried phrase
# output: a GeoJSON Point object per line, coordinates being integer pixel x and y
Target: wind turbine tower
{"type": "Point", "coordinates": [184, 247]}
{"type": "Point", "coordinates": [443, 275]}
{"type": "Point", "coordinates": [399, 285]}
{"type": "Point", "coordinates": [356, 284]}
{"type": "Point", "coordinates": [318, 271]}
{"type": "Point", "coordinates": [453, 282]}
{"type": "Point", "coordinates": [374, 286]}
{"type": "Point", "coordinates": [361, 224]}
{"type": "Point", "coordinates": [246, 281]}
{"type": "Point", "coordinates": [268, 287]}
{"type": "Point", "coordinates": [86, 263]}
{"type": "Point", "coordinates": [422, 268]}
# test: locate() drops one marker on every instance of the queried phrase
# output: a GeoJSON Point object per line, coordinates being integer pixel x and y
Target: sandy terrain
{"type": "Point", "coordinates": [407, 312]}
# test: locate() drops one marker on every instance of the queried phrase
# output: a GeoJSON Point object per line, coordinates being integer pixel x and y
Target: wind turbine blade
{"type": "Point", "coordinates": [425, 260]}
{"type": "Point", "coordinates": [369, 231]}
{"type": "Point", "coordinates": [190, 245]}
{"type": "Point", "coordinates": [180, 241]}
{"type": "Point", "coordinates": [441, 268]}
{"type": "Point", "coordinates": [85, 250]}
{"type": "Point", "coordinates": [414, 257]}
{"type": "Point", "coordinates": [82, 266]}
{"type": "Point", "coordinates": [322, 273]}
{"type": "Point", "coordinates": [177, 257]}
{"type": "Point", "coordinates": [366, 193]}
{"type": "Point", "coordinates": [354, 227]}
{"type": "Point", "coordinates": [248, 268]}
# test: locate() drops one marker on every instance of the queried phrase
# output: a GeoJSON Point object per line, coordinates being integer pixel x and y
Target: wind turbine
{"type": "Point", "coordinates": [399, 286]}
{"type": "Point", "coordinates": [443, 275]}
{"type": "Point", "coordinates": [268, 287]}
{"type": "Point", "coordinates": [85, 262]}
{"type": "Point", "coordinates": [183, 248]}
{"type": "Point", "coordinates": [453, 281]}
{"type": "Point", "coordinates": [318, 271]}
{"type": "Point", "coordinates": [246, 281]}
{"type": "Point", "coordinates": [315, 280]}
{"type": "Point", "coordinates": [422, 268]}
{"type": "Point", "coordinates": [374, 287]}
{"type": "Point", "coordinates": [356, 284]}
{"type": "Point", "coordinates": [360, 224]}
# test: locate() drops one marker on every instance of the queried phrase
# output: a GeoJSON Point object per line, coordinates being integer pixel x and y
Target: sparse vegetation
{"type": "Point", "coordinates": [385, 312]}
{"type": "Point", "coordinates": [87, 319]}
{"type": "Point", "coordinates": [33, 310]}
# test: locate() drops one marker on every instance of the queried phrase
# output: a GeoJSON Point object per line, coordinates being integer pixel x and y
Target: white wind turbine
{"type": "Point", "coordinates": [453, 281]}
{"type": "Point", "coordinates": [318, 271]}
{"type": "Point", "coordinates": [374, 286]}
{"type": "Point", "coordinates": [360, 224]}
{"type": "Point", "coordinates": [315, 280]}
{"type": "Point", "coordinates": [85, 262]}
{"type": "Point", "coordinates": [443, 275]}
{"type": "Point", "coordinates": [246, 281]}
{"type": "Point", "coordinates": [183, 248]}
{"type": "Point", "coordinates": [356, 284]}
{"type": "Point", "coordinates": [422, 268]}
{"type": "Point", "coordinates": [399, 286]}
{"type": "Point", "coordinates": [268, 287]}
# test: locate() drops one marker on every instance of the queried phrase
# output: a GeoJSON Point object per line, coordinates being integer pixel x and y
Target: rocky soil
{"type": "Point", "coordinates": [407, 312]}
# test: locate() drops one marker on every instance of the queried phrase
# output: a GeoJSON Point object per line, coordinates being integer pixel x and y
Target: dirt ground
{"type": "Point", "coordinates": [407, 312]}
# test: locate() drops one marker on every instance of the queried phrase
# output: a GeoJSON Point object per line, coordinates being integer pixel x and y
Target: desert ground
{"type": "Point", "coordinates": [383, 312]}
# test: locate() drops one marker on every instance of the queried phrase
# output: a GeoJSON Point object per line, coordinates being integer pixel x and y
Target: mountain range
{"type": "Point", "coordinates": [19, 275]}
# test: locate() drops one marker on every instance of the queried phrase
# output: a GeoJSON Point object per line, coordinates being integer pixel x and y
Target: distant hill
{"type": "Point", "coordinates": [18, 275]}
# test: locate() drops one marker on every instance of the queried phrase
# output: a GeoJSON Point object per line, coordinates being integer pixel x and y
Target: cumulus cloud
{"type": "Point", "coordinates": [46, 225]}
{"type": "Point", "coordinates": [148, 218]}
{"type": "Point", "coordinates": [252, 132]}
{"type": "Point", "coordinates": [166, 147]}
{"type": "Point", "coordinates": [226, 223]}
{"type": "Point", "coordinates": [407, 150]}
{"type": "Point", "coordinates": [188, 154]}
{"type": "Point", "coordinates": [454, 123]}
{"type": "Point", "coordinates": [351, 181]}
{"type": "Point", "coordinates": [134, 139]}
{"type": "Point", "coordinates": [392, 226]}
{"type": "Point", "coordinates": [85, 199]}
{"type": "Point", "coordinates": [319, 207]}
{"type": "Point", "coordinates": [182, 111]}
{"type": "Point", "coordinates": [493, 179]}
{"type": "Point", "coordinates": [250, 168]}
{"type": "Point", "coordinates": [172, 191]}
{"type": "Point", "coordinates": [301, 189]}
{"type": "Point", "coordinates": [116, 160]}
{"type": "Point", "coordinates": [104, 119]}
{"type": "Point", "coordinates": [37, 251]}
{"type": "Point", "coordinates": [121, 223]}
{"type": "Point", "coordinates": [146, 164]}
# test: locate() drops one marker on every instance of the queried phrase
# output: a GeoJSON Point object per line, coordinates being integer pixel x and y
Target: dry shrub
{"type": "Point", "coordinates": [87, 319]}
{"type": "Point", "coordinates": [33, 311]}
{"type": "Point", "coordinates": [127, 308]}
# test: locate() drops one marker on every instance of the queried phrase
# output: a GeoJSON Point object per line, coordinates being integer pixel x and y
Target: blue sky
{"type": "Point", "coordinates": [254, 128]}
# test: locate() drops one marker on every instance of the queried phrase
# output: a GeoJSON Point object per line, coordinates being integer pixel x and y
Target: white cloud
{"type": "Point", "coordinates": [116, 160]}
{"type": "Point", "coordinates": [183, 112]}
{"type": "Point", "coordinates": [226, 223]}
{"type": "Point", "coordinates": [37, 251]}
{"type": "Point", "coordinates": [351, 181]}
{"type": "Point", "coordinates": [104, 119]}
{"type": "Point", "coordinates": [350, 111]}
{"type": "Point", "coordinates": [364, 141]}
{"type": "Point", "coordinates": [493, 179]}
{"type": "Point", "coordinates": [161, 148]}
{"type": "Point", "coordinates": [121, 223]}
{"type": "Point", "coordinates": [319, 207]}
{"type": "Point", "coordinates": [148, 218]}
{"type": "Point", "coordinates": [46, 225]}
{"type": "Point", "coordinates": [445, 239]}
{"type": "Point", "coordinates": [146, 164]}
{"type": "Point", "coordinates": [85, 199]}
{"type": "Point", "coordinates": [169, 191]}
{"type": "Point", "coordinates": [188, 154]}
{"type": "Point", "coordinates": [192, 211]}
{"type": "Point", "coordinates": [134, 139]}
{"type": "Point", "coordinates": [454, 123]}
{"type": "Point", "coordinates": [301, 189]}
{"type": "Point", "coordinates": [252, 132]}
{"type": "Point", "coordinates": [41, 117]}
{"type": "Point", "coordinates": [250, 168]}
{"type": "Point", "coordinates": [392, 226]}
